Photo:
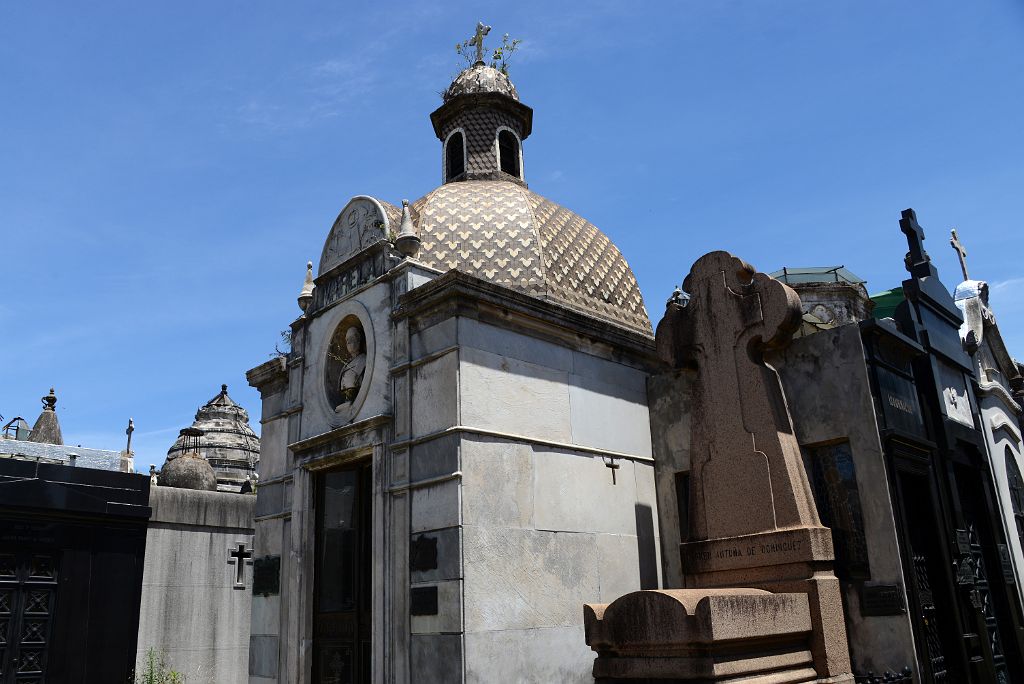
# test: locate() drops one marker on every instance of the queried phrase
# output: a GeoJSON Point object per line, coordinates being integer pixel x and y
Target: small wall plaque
{"type": "Point", "coordinates": [423, 553]}
{"type": "Point", "coordinates": [881, 599]}
{"type": "Point", "coordinates": [266, 576]}
{"type": "Point", "coordinates": [424, 601]}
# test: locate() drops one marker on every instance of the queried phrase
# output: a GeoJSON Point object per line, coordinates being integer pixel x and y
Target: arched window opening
{"type": "Point", "coordinates": [455, 156]}
{"type": "Point", "coordinates": [1016, 482]}
{"type": "Point", "coordinates": [508, 152]}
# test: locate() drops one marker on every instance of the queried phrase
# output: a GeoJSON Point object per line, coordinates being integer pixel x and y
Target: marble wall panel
{"type": "Point", "coordinates": [436, 506]}
{"type": "Point", "coordinates": [574, 493]}
{"type": "Point", "coordinates": [537, 656]}
{"type": "Point", "coordinates": [497, 482]}
{"type": "Point", "coordinates": [513, 396]}
{"type": "Point", "coordinates": [434, 403]}
{"type": "Point", "coordinates": [513, 345]}
{"type": "Point", "coordinates": [436, 658]}
{"type": "Point", "coordinates": [524, 579]}
{"type": "Point", "coordinates": [449, 610]}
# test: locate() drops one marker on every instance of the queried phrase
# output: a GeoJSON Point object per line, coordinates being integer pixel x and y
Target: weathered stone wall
{"type": "Point", "coordinates": [191, 608]}
{"type": "Point", "coordinates": [826, 383]}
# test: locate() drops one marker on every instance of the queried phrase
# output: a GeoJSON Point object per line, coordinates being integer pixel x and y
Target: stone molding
{"type": "Point", "coordinates": [459, 294]}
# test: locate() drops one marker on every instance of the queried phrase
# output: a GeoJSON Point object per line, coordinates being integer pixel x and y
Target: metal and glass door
{"type": "Point", "coordinates": [28, 592]}
{"type": "Point", "coordinates": [344, 548]}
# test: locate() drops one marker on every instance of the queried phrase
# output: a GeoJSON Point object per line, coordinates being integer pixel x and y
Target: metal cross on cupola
{"type": "Point", "coordinates": [918, 263]}
{"type": "Point", "coordinates": [240, 557]}
{"type": "Point", "coordinates": [961, 252]}
{"type": "Point", "coordinates": [482, 30]}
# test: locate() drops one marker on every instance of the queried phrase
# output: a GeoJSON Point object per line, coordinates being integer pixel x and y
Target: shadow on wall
{"type": "Point", "coordinates": [645, 546]}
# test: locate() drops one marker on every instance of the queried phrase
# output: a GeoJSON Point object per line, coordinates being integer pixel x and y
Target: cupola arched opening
{"type": "Point", "coordinates": [454, 155]}
{"type": "Point", "coordinates": [508, 153]}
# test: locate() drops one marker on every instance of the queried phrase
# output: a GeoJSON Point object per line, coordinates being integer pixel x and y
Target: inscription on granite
{"type": "Point", "coordinates": [878, 599]}
{"type": "Point", "coordinates": [899, 402]}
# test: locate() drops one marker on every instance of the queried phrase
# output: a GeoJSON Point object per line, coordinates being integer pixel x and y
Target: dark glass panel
{"type": "Point", "coordinates": [339, 541]}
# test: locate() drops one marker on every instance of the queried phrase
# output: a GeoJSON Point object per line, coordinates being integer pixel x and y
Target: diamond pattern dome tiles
{"type": "Point", "coordinates": [502, 232]}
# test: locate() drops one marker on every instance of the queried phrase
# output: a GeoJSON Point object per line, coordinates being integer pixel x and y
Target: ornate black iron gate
{"type": "Point", "coordinates": [28, 593]}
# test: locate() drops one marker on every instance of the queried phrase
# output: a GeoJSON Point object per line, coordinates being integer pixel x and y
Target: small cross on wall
{"type": "Point", "coordinates": [609, 462]}
{"type": "Point", "coordinates": [239, 557]}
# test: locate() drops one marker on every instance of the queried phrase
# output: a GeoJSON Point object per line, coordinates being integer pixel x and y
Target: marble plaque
{"type": "Point", "coordinates": [955, 400]}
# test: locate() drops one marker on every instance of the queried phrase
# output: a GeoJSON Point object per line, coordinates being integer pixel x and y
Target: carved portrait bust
{"type": "Point", "coordinates": [346, 364]}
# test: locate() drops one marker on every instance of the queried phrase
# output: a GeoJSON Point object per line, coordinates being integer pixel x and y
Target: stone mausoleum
{"type": "Point", "coordinates": [456, 454]}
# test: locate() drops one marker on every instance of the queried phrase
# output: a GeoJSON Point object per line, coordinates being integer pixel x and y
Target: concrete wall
{"type": "Point", "coordinates": [826, 383]}
{"type": "Point", "coordinates": [191, 608]}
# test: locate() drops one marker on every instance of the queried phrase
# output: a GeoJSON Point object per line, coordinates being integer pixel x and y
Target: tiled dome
{"type": "Point", "coordinates": [502, 232]}
{"type": "Point", "coordinates": [480, 78]}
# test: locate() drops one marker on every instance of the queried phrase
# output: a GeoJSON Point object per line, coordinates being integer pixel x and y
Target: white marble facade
{"type": "Point", "coordinates": [999, 391]}
{"type": "Point", "coordinates": [510, 433]}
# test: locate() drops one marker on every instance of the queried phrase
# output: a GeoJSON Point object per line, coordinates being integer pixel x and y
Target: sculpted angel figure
{"type": "Point", "coordinates": [351, 377]}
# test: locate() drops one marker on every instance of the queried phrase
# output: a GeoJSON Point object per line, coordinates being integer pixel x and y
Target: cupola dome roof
{"type": "Point", "coordinates": [502, 232]}
{"type": "Point", "coordinates": [189, 471]}
{"type": "Point", "coordinates": [478, 79]}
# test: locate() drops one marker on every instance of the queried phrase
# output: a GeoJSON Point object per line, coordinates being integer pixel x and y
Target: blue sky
{"type": "Point", "coordinates": [167, 169]}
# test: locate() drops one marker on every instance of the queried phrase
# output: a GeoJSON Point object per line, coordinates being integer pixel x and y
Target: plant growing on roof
{"type": "Point", "coordinates": [472, 50]}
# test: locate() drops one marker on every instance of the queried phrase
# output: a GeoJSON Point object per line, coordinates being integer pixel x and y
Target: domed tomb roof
{"type": "Point", "coordinates": [502, 232]}
{"type": "Point", "coordinates": [228, 443]}
{"type": "Point", "coordinates": [480, 78]}
{"type": "Point", "coordinates": [189, 471]}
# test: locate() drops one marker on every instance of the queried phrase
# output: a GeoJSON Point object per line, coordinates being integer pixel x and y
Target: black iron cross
{"type": "Point", "coordinates": [918, 263]}
{"type": "Point", "coordinates": [239, 558]}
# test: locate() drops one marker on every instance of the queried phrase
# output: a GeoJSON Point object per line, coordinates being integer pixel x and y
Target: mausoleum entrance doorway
{"type": "Point", "coordinates": [342, 594]}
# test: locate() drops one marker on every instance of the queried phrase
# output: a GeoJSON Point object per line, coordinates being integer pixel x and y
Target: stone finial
{"type": "Point", "coordinates": [46, 429]}
{"type": "Point", "coordinates": [306, 294]}
{"type": "Point", "coordinates": [407, 242]}
{"type": "Point", "coordinates": [49, 401]}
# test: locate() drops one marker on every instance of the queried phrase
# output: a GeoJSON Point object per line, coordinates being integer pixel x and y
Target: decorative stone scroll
{"type": "Point", "coordinates": [756, 551]}
{"type": "Point", "coordinates": [360, 224]}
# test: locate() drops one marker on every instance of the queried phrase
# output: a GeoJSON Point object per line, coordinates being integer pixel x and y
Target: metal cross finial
{"type": "Point", "coordinates": [482, 30]}
{"type": "Point", "coordinates": [961, 251]}
{"type": "Point", "coordinates": [129, 431]}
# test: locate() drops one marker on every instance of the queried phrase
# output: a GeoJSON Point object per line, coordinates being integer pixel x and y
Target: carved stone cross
{"type": "Point", "coordinates": [747, 476]}
{"type": "Point", "coordinates": [478, 39]}
{"type": "Point", "coordinates": [240, 557]}
{"type": "Point", "coordinates": [919, 264]}
{"type": "Point", "coordinates": [960, 250]}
